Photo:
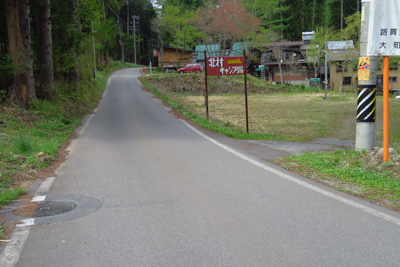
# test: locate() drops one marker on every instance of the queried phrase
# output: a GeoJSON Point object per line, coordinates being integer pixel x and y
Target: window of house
{"type": "Point", "coordinates": [339, 67]}
{"type": "Point", "coordinates": [266, 56]}
{"type": "Point", "coordinates": [288, 55]}
{"type": "Point", "coordinates": [346, 80]}
{"type": "Point", "coordinates": [393, 79]}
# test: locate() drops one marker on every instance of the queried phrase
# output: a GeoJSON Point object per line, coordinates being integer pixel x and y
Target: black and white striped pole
{"type": "Point", "coordinates": [366, 99]}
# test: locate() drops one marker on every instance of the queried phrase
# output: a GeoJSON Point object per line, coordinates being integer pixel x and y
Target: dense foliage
{"type": "Point", "coordinates": [64, 41]}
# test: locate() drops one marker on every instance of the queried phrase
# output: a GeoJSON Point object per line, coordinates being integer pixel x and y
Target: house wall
{"type": "Point", "coordinates": [171, 57]}
{"type": "Point", "coordinates": [306, 83]}
{"type": "Point", "coordinates": [277, 77]}
{"type": "Point", "coordinates": [351, 80]}
{"type": "Point", "coordinates": [289, 73]}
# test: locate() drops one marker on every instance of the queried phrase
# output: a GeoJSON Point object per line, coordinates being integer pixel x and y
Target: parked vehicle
{"type": "Point", "coordinates": [195, 67]}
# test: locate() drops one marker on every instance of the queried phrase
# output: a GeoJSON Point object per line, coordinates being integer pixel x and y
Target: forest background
{"type": "Point", "coordinates": [45, 42]}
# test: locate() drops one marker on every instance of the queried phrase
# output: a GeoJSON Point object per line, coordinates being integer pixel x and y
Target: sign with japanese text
{"type": "Point", "coordinates": [364, 65]}
{"type": "Point", "coordinates": [384, 28]}
{"type": "Point", "coordinates": [225, 66]}
{"type": "Point", "coordinates": [155, 53]}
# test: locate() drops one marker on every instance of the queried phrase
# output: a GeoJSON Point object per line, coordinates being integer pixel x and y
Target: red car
{"type": "Point", "coordinates": [195, 67]}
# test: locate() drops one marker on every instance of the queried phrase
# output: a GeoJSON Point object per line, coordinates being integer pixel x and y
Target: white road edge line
{"type": "Point", "coordinates": [38, 199]}
{"type": "Point", "coordinates": [105, 90]}
{"type": "Point", "coordinates": [354, 204]}
{"type": "Point", "coordinates": [45, 186]}
{"type": "Point", "coordinates": [11, 253]}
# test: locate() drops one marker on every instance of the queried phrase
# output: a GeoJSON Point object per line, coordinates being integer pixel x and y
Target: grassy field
{"type": "Point", "coordinates": [290, 115]}
{"type": "Point", "coordinates": [296, 114]}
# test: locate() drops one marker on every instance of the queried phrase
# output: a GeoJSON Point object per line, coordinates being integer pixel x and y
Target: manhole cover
{"type": "Point", "coordinates": [43, 209]}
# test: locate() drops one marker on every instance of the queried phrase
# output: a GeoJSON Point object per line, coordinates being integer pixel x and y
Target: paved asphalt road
{"type": "Point", "coordinates": [171, 196]}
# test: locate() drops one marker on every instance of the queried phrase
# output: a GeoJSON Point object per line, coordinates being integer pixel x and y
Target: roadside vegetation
{"type": "Point", "coordinates": [292, 113]}
{"type": "Point", "coordinates": [30, 139]}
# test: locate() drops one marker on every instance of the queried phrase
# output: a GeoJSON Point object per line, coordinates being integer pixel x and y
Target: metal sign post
{"type": "Point", "coordinates": [206, 95]}
{"type": "Point", "coordinates": [134, 35]}
{"type": "Point", "coordinates": [366, 105]}
{"type": "Point", "coordinates": [383, 40]}
{"type": "Point", "coordinates": [245, 91]}
{"type": "Point", "coordinates": [385, 108]}
{"type": "Point", "coordinates": [223, 66]}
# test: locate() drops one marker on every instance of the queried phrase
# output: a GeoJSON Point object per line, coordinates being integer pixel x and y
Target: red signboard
{"type": "Point", "coordinates": [217, 66]}
{"type": "Point", "coordinates": [155, 53]}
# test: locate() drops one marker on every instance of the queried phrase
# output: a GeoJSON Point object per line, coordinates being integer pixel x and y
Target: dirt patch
{"type": "Point", "coordinates": [26, 210]}
{"type": "Point", "coordinates": [8, 229]}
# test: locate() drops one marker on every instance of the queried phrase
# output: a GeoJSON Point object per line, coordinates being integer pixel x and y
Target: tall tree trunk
{"type": "Point", "coordinates": [25, 27]}
{"type": "Point", "coordinates": [19, 90]}
{"type": "Point", "coordinates": [121, 44]}
{"type": "Point", "coordinates": [313, 15]}
{"type": "Point", "coordinates": [94, 52]}
{"type": "Point", "coordinates": [104, 16]}
{"type": "Point", "coordinates": [149, 47]}
{"type": "Point", "coordinates": [161, 46]}
{"type": "Point", "coordinates": [73, 5]}
{"type": "Point", "coordinates": [326, 17]}
{"type": "Point", "coordinates": [270, 19]}
{"type": "Point", "coordinates": [127, 18]}
{"type": "Point", "coordinates": [302, 17]}
{"type": "Point", "coordinates": [341, 80]}
{"type": "Point", "coordinates": [281, 21]}
{"type": "Point", "coordinates": [46, 49]}
{"type": "Point", "coordinates": [341, 18]}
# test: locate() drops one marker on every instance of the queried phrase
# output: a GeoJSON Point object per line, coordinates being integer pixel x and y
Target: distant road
{"type": "Point", "coordinates": [173, 195]}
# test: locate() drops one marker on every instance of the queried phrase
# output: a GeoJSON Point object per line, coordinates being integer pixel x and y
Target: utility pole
{"type": "Point", "coordinates": [326, 53]}
{"type": "Point", "coordinates": [313, 16]}
{"type": "Point", "coordinates": [366, 103]}
{"type": "Point", "coordinates": [127, 18]}
{"type": "Point", "coordinates": [341, 18]}
{"type": "Point", "coordinates": [326, 15]}
{"type": "Point", "coordinates": [94, 51]}
{"type": "Point", "coordinates": [326, 69]}
{"type": "Point", "coordinates": [134, 34]}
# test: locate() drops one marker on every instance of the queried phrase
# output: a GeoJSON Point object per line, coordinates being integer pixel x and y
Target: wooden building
{"type": "Point", "coordinates": [171, 57]}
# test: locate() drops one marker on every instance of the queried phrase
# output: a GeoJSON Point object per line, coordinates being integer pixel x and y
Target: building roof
{"type": "Point", "coordinates": [340, 45]}
{"type": "Point", "coordinates": [342, 50]}
{"type": "Point", "coordinates": [307, 36]}
{"type": "Point", "coordinates": [213, 50]}
{"type": "Point", "coordinates": [286, 44]}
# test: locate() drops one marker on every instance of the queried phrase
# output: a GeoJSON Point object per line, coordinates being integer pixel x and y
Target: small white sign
{"type": "Point", "coordinates": [384, 28]}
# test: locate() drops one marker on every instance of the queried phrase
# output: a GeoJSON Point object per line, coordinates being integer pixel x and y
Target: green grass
{"type": "Point", "coordinates": [9, 195]}
{"type": "Point", "coordinates": [44, 127]}
{"type": "Point", "coordinates": [219, 127]}
{"type": "Point", "coordinates": [23, 145]}
{"type": "Point", "coordinates": [351, 171]}
{"type": "Point", "coordinates": [1, 232]}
